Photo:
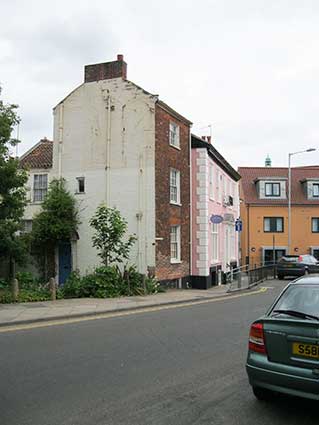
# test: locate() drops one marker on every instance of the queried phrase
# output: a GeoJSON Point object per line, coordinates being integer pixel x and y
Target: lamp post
{"type": "Point", "coordinates": [289, 192]}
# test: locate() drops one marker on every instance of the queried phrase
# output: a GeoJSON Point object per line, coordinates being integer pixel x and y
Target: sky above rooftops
{"type": "Point", "coordinates": [248, 68]}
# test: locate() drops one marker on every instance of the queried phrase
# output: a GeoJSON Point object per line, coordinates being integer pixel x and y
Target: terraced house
{"type": "Point", "coordinates": [264, 211]}
{"type": "Point", "coordinates": [116, 143]}
{"type": "Point", "coordinates": [215, 209]}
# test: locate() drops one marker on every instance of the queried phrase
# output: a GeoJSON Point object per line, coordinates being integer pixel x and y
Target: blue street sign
{"type": "Point", "coordinates": [238, 225]}
{"type": "Point", "coordinates": [216, 219]}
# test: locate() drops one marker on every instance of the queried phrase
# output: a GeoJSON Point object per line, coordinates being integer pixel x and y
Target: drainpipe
{"type": "Point", "coordinates": [61, 116]}
{"type": "Point", "coordinates": [190, 206]}
{"type": "Point", "coordinates": [248, 235]}
{"type": "Point", "coordinates": [108, 149]}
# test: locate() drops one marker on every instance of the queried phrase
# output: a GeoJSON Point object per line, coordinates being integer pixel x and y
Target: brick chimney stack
{"type": "Point", "coordinates": [106, 71]}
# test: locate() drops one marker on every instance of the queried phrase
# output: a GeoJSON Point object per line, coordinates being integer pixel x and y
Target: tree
{"type": "Point", "coordinates": [57, 222]}
{"type": "Point", "coordinates": [12, 189]}
{"type": "Point", "coordinates": [110, 229]}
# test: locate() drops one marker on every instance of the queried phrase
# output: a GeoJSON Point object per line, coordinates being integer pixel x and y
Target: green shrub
{"type": "Point", "coordinates": [4, 284]}
{"type": "Point", "coordinates": [108, 282]}
{"type": "Point", "coordinates": [25, 295]}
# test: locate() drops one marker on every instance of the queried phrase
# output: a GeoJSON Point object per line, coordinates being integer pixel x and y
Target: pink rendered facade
{"type": "Point", "coordinates": [214, 192]}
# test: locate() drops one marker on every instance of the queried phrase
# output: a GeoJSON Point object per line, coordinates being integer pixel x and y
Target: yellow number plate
{"type": "Point", "coordinates": [305, 350]}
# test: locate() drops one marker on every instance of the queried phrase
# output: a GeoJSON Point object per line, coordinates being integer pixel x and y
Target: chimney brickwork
{"type": "Point", "coordinates": [106, 71]}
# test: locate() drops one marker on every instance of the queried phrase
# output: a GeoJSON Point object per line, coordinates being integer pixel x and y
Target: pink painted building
{"type": "Point", "coordinates": [215, 197]}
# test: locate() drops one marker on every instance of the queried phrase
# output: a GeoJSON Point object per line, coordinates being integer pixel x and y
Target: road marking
{"type": "Point", "coordinates": [12, 328]}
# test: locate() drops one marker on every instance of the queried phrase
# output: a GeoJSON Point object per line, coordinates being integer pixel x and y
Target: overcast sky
{"type": "Point", "coordinates": [250, 68]}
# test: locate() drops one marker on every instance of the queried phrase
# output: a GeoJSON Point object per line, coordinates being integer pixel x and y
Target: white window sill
{"type": "Point", "coordinates": [79, 193]}
{"type": "Point", "coordinates": [176, 147]}
{"type": "Point", "coordinates": [35, 202]}
{"type": "Point", "coordinates": [178, 204]}
{"type": "Point", "coordinates": [175, 261]}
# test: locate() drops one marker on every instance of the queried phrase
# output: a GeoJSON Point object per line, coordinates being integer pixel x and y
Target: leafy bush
{"type": "Point", "coordinates": [103, 282]}
{"type": "Point", "coordinates": [4, 284]}
{"type": "Point", "coordinates": [109, 282]}
{"type": "Point", "coordinates": [25, 295]}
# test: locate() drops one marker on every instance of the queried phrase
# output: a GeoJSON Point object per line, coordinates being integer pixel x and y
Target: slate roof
{"type": "Point", "coordinates": [198, 142]}
{"type": "Point", "coordinates": [249, 175]}
{"type": "Point", "coordinates": [39, 156]}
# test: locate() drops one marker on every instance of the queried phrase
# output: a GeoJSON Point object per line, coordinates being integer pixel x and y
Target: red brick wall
{"type": "Point", "coordinates": [167, 157]}
{"type": "Point", "coordinates": [105, 71]}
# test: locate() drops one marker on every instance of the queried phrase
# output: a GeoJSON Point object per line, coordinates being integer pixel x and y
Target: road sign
{"type": "Point", "coordinates": [238, 225]}
{"type": "Point", "coordinates": [216, 219]}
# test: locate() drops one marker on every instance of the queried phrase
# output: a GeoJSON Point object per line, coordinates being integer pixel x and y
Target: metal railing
{"type": "Point", "coordinates": [245, 277]}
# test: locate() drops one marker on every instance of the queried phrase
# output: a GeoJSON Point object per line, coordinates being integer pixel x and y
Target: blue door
{"type": "Point", "coordinates": [65, 261]}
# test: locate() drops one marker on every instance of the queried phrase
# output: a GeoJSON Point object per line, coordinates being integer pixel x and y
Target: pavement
{"type": "Point", "coordinates": [32, 312]}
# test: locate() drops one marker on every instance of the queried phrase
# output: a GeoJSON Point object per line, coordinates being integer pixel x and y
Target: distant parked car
{"type": "Point", "coordinates": [297, 265]}
{"type": "Point", "coordinates": [283, 353]}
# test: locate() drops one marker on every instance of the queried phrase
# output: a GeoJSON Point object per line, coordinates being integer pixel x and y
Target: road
{"type": "Point", "coordinates": [170, 367]}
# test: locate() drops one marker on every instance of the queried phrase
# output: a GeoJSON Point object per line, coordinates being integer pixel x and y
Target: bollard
{"type": "Point", "coordinates": [52, 287]}
{"type": "Point", "coordinates": [143, 282]}
{"type": "Point", "coordinates": [15, 290]}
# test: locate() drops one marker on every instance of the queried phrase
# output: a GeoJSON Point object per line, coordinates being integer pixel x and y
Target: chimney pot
{"type": "Point", "coordinates": [209, 139]}
{"type": "Point", "coordinates": [120, 57]}
{"type": "Point", "coordinates": [204, 138]}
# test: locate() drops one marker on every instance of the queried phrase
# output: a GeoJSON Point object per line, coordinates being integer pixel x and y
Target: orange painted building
{"type": "Point", "coordinates": [264, 212]}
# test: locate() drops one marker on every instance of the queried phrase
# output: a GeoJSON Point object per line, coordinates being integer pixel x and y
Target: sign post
{"type": "Point", "coordinates": [239, 228]}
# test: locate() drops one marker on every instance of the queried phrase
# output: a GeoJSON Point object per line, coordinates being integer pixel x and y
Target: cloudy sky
{"type": "Point", "coordinates": [249, 68]}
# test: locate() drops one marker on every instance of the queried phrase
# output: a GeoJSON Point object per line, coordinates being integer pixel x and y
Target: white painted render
{"type": "Point", "coordinates": [109, 123]}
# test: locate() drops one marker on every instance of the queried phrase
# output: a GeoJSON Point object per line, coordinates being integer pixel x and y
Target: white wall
{"type": "Point", "coordinates": [81, 124]}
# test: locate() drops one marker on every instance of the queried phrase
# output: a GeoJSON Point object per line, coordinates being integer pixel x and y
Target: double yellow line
{"type": "Point", "coordinates": [58, 322]}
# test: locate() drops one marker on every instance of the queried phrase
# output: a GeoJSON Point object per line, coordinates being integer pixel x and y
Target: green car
{"type": "Point", "coordinates": [283, 353]}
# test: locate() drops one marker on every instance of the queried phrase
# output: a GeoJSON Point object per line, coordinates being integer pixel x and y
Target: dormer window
{"type": "Point", "coordinates": [311, 188]}
{"type": "Point", "coordinates": [315, 190]}
{"type": "Point", "coordinates": [272, 189]}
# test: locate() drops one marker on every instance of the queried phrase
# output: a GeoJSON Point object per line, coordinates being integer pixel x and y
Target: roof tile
{"type": "Point", "coordinates": [40, 156]}
{"type": "Point", "coordinates": [250, 174]}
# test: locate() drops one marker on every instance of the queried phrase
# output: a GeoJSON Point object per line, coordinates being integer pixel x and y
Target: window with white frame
{"type": "Point", "coordinates": [272, 189]}
{"type": "Point", "coordinates": [273, 224]}
{"type": "Point", "coordinates": [175, 239]}
{"type": "Point", "coordinates": [220, 187]}
{"type": "Point", "coordinates": [315, 224]}
{"type": "Point", "coordinates": [232, 241]}
{"type": "Point", "coordinates": [175, 189]}
{"type": "Point", "coordinates": [315, 190]}
{"type": "Point", "coordinates": [225, 188]}
{"type": "Point", "coordinates": [40, 187]}
{"type": "Point", "coordinates": [174, 134]}
{"type": "Point", "coordinates": [26, 226]}
{"type": "Point", "coordinates": [214, 242]}
{"type": "Point", "coordinates": [80, 185]}
{"type": "Point", "coordinates": [211, 182]}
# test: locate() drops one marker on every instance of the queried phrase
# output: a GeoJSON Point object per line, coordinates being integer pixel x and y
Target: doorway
{"type": "Point", "coordinates": [65, 261]}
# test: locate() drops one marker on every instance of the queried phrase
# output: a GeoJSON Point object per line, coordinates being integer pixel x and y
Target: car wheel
{"type": "Point", "coordinates": [280, 277]}
{"type": "Point", "coordinates": [262, 394]}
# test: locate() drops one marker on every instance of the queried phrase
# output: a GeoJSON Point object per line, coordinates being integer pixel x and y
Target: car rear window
{"type": "Point", "coordinates": [308, 259]}
{"type": "Point", "coordinates": [303, 298]}
{"type": "Point", "coordinates": [289, 259]}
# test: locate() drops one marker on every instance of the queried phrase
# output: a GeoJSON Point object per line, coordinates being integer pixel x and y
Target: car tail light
{"type": "Point", "coordinates": [256, 338]}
